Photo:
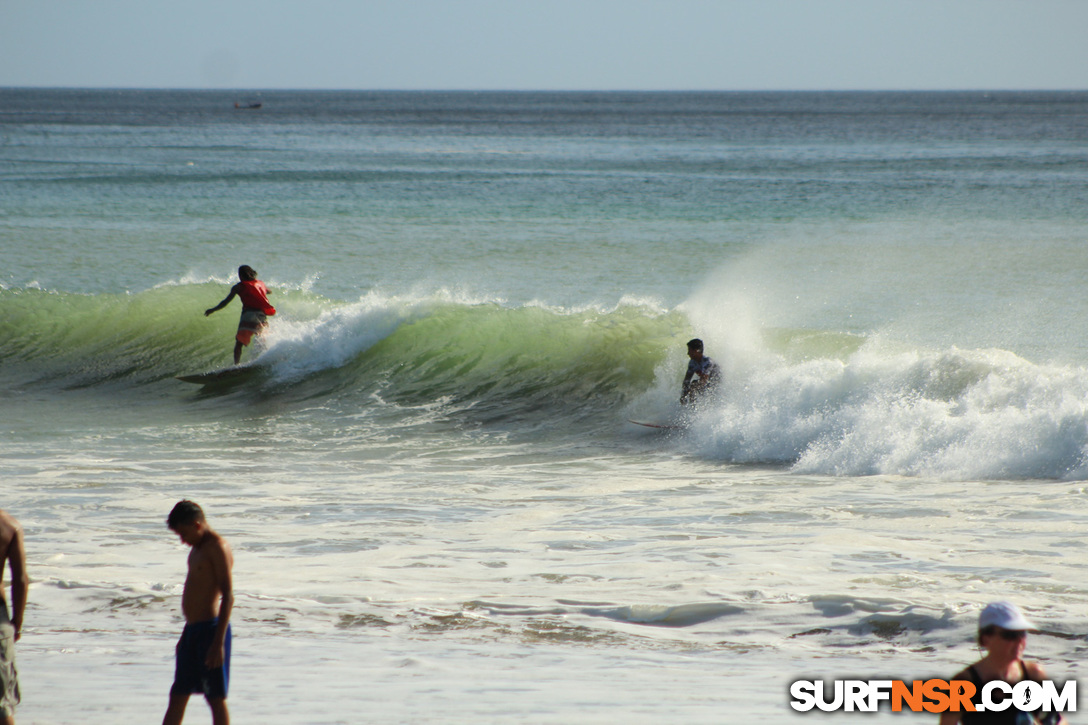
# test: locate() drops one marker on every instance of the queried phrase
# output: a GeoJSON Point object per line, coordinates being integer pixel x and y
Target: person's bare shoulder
{"type": "Point", "coordinates": [9, 528]}
{"type": "Point", "coordinates": [1034, 670]}
{"type": "Point", "coordinates": [217, 547]}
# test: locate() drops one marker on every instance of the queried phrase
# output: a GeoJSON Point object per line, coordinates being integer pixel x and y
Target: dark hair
{"type": "Point", "coordinates": [986, 632]}
{"type": "Point", "coordinates": [695, 344]}
{"type": "Point", "coordinates": [247, 273]}
{"type": "Point", "coordinates": [184, 512]}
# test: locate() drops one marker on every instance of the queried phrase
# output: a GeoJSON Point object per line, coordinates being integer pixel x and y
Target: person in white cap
{"type": "Point", "coordinates": [1003, 633]}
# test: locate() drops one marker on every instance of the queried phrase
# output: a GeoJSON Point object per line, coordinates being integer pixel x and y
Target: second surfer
{"type": "Point", "coordinates": [702, 373]}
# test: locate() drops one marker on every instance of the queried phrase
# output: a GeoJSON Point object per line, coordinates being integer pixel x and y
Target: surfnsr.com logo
{"type": "Point", "coordinates": [934, 696]}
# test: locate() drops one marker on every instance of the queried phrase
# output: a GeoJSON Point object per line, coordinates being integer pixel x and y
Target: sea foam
{"type": "Point", "coordinates": [958, 414]}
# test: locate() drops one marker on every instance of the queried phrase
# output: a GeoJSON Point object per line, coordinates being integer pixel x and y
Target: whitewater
{"type": "Point", "coordinates": [439, 509]}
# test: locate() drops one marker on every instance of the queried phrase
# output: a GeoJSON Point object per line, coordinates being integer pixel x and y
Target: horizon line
{"type": "Point", "coordinates": [330, 89]}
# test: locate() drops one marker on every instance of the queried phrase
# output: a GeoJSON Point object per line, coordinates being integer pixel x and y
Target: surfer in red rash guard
{"type": "Point", "coordinates": [255, 308]}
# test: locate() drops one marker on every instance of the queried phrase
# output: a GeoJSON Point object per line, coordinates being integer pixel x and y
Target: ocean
{"type": "Point", "coordinates": [439, 508]}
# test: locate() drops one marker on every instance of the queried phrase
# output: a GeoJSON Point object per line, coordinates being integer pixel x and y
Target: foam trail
{"type": "Point", "coordinates": [958, 414]}
{"type": "Point", "coordinates": [295, 348]}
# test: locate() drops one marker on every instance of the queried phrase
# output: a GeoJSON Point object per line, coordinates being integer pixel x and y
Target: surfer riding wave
{"type": "Point", "coordinates": [702, 376]}
{"type": "Point", "coordinates": [255, 308]}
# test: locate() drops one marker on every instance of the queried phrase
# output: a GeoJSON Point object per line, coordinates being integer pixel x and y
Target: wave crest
{"type": "Point", "coordinates": [953, 414]}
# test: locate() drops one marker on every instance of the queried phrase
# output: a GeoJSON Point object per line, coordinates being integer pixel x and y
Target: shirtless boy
{"type": "Point", "coordinates": [13, 555]}
{"type": "Point", "coordinates": [203, 652]}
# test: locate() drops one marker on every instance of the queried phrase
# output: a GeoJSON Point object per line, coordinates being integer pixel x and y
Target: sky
{"type": "Point", "coordinates": [546, 44]}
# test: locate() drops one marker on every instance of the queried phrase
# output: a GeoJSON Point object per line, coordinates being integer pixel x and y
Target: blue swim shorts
{"type": "Point", "coordinates": [190, 673]}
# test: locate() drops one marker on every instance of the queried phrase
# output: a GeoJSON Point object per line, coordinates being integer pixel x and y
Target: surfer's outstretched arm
{"type": "Point", "coordinates": [224, 303]}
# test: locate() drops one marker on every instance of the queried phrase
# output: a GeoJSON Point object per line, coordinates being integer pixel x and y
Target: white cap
{"type": "Point", "coordinates": [1005, 615]}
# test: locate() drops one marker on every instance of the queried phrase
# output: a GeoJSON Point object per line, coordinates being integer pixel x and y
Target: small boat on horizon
{"type": "Point", "coordinates": [247, 106]}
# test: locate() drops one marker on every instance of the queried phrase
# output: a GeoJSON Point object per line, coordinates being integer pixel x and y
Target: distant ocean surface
{"type": "Point", "coordinates": [439, 509]}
